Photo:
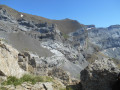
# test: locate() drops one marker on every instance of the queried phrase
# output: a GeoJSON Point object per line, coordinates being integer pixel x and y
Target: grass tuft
{"type": "Point", "coordinates": [26, 78]}
{"type": "Point", "coordinates": [66, 36]}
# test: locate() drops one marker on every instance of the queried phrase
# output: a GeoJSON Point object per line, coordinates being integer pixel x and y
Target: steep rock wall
{"type": "Point", "coordinates": [9, 61]}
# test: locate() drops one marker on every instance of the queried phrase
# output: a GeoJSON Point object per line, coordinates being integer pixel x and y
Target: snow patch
{"type": "Point", "coordinates": [21, 15]}
{"type": "Point", "coordinates": [113, 49]}
{"type": "Point", "coordinates": [88, 28]}
{"type": "Point", "coordinates": [104, 50]}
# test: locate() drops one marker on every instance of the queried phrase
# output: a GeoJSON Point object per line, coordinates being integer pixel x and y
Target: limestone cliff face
{"type": "Point", "coordinates": [43, 37]}
{"type": "Point", "coordinates": [9, 61]}
{"type": "Point", "coordinates": [100, 75]}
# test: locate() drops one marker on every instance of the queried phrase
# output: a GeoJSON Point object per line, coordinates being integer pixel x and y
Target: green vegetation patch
{"type": "Point", "coordinates": [3, 88]}
{"type": "Point", "coordinates": [116, 61]}
{"type": "Point", "coordinates": [11, 80]}
{"type": "Point", "coordinates": [68, 88]}
{"type": "Point", "coordinates": [4, 40]}
{"type": "Point", "coordinates": [66, 36]}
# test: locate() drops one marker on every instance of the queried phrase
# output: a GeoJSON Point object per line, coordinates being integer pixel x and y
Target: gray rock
{"type": "Point", "coordinates": [60, 74]}
{"type": "Point", "coordinates": [101, 75]}
{"type": "Point", "coordinates": [8, 56]}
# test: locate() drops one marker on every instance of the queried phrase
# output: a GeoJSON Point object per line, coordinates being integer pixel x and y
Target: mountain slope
{"type": "Point", "coordinates": [66, 26]}
{"type": "Point", "coordinates": [43, 38]}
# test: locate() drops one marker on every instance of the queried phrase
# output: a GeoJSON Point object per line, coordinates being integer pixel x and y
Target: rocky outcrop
{"type": "Point", "coordinates": [32, 63]}
{"type": "Point", "coordinates": [66, 57]}
{"type": "Point", "coordinates": [101, 75]}
{"type": "Point", "coordinates": [9, 61]}
{"type": "Point", "coordinates": [60, 74]}
{"type": "Point", "coordinates": [41, 66]}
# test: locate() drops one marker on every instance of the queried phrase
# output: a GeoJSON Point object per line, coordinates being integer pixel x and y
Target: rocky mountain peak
{"type": "Point", "coordinates": [5, 10]}
{"type": "Point", "coordinates": [65, 25]}
{"type": "Point", "coordinates": [114, 26]}
{"type": "Point", "coordinates": [90, 26]}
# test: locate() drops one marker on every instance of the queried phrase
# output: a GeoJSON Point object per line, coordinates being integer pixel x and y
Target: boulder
{"type": "Point", "coordinates": [101, 75]}
{"type": "Point", "coordinates": [60, 74]}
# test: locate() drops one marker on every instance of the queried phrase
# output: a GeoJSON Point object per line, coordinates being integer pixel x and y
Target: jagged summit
{"type": "Point", "coordinates": [11, 11]}
{"type": "Point", "coordinates": [114, 26]}
{"type": "Point", "coordinates": [65, 25]}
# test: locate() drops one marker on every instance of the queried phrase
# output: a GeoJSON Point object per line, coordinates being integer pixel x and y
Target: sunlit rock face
{"type": "Point", "coordinates": [107, 39]}
{"type": "Point", "coordinates": [9, 61]}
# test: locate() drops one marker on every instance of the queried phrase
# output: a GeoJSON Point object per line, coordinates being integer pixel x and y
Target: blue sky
{"type": "Point", "coordinates": [101, 13]}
